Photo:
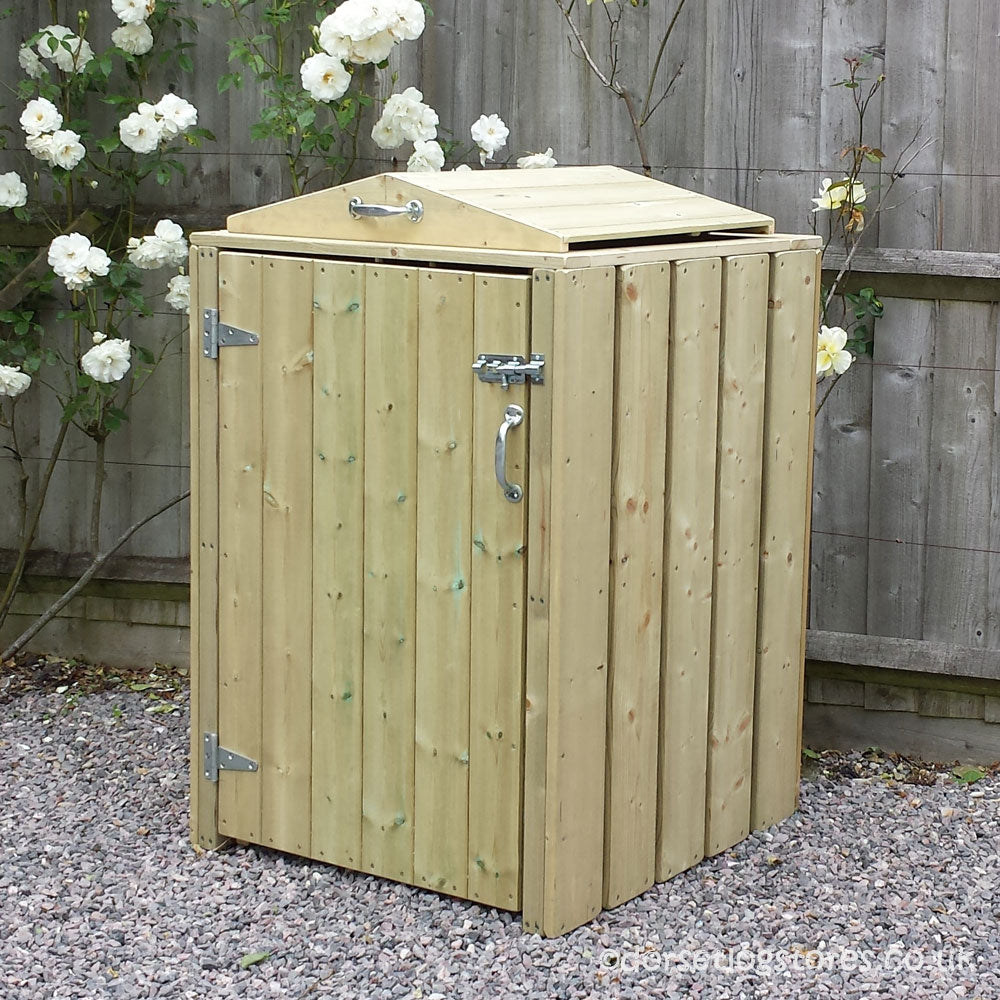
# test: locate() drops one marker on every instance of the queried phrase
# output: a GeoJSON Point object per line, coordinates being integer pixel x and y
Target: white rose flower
{"type": "Point", "coordinates": [166, 246]}
{"type": "Point", "coordinates": [60, 45]}
{"type": "Point", "coordinates": [40, 146]}
{"type": "Point", "coordinates": [169, 232]}
{"type": "Point", "coordinates": [490, 134]}
{"type": "Point", "coordinates": [140, 132]}
{"type": "Point", "coordinates": [387, 133]}
{"type": "Point", "coordinates": [67, 150]}
{"type": "Point", "coordinates": [135, 39]}
{"type": "Point", "coordinates": [179, 292]}
{"type": "Point", "coordinates": [533, 161]}
{"type": "Point", "coordinates": [176, 115]}
{"type": "Point", "coordinates": [408, 23]}
{"type": "Point", "coordinates": [427, 157]}
{"type": "Point", "coordinates": [98, 337]}
{"type": "Point", "coordinates": [68, 254]}
{"type": "Point", "coordinates": [406, 114]}
{"type": "Point", "coordinates": [324, 77]}
{"type": "Point", "coordinates": [79, 280]}
{"type": "Point", "coordinates": [108, 361]}
{"type": "Point", "coordinates": [463, 168]}
{"type": "Point", "coordinates": [146, 254]}
{"type": "Point", "coordinates": [13, 191]}
{"type": "Point", "coordinates": [833, 195]}
{"type": "Point", "coordinates": [830, 353]}
{"type": "Point", "coordinates": [28, 59]}
{"type": "Point", "coordinates": [98, 262]}
{"type": "Point", "coordinates": [333, 42]}
{"type": "Point", "coordinates": [133, 11]}
{"type": "Point", "coordinates": [40, 115]}
{"type": "Point", "coordinates": [13, 381]}
{"type": "Point", "coordinates": [373, 49]}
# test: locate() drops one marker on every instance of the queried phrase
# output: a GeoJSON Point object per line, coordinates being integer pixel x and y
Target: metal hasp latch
{"type": "Point", "coordinates": [216, 335]}
{"type": "Point", "coordinates": [216, 758]}
{"type": "Point", "coordinates": [509, 369]}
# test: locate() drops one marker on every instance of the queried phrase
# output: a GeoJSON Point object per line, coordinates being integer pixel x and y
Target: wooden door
{"type": "Point", "coordinates": [371, 572]}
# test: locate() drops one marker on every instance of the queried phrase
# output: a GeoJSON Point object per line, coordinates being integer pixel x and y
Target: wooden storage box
{"type": "Point", "coordinates": [543, 704]}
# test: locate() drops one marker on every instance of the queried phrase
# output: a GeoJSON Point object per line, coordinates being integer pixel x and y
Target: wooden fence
{"type": "Point", "coordinates": [907, 503]}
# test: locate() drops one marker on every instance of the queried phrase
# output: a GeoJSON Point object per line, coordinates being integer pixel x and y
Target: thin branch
{"type": "Point", "coordinates": [646, 112]}
{"type": "Point", "coordinates": [586, 52]}
{"type": "Point", "coordinates": [36, 626]}
{"type": "Point", "coordinates": [666, 93]}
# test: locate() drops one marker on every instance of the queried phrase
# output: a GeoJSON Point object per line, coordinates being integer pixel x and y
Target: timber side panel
{"type": "Point", "coordinates": [581, 387]}
{"type": "Point", "coordinates": [390, 570]}
{"type": "Point", "coordinates": [536, 671]}
{"type": "Point", "coordinates": [696, 287]}
{"type": "Point", "coordinates": [737, 532]}
{"type": "Point", "coordinates": [444, 543]}
{"type": "Point", "coordinates": [637, 491]}
{"type": "Point", "coordinates": [338, 465]}
{"type": "Point", "coordinates": [786, 496]}
{"type": "Point", "coordinates": [496, 712]}
{"type": "Point", "coordinates": [241, 486]}
{"type": "Point", "coordinates": [204, 404]}
{"type": "Point", "coordinates": [286, 772]}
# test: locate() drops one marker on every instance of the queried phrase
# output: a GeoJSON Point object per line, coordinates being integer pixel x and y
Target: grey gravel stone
{"type": "Point", "coordinates": [872, 889]}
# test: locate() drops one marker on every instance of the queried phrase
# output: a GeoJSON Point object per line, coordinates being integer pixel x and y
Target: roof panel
{"type": "Point", "coordinates": [538, 210]}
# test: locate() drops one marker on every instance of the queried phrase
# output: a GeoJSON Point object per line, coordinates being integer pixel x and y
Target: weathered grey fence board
{"type": "Point", "coordinates": [752, 118]}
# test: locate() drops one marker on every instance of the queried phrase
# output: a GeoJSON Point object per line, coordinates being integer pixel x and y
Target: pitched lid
{"type": "Point", "coordinates": [554, 210]}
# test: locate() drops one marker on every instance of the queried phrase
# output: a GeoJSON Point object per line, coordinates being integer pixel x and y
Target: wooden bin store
{"type": "Point", "coordinates": [500, 519]}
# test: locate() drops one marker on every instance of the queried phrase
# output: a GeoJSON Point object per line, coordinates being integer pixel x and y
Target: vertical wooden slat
{"type": "Point", "coordinates": [204, 384]}
{"type": "Point", "coordinates": [536, 671]}
{"type": "Point", "coordinates": [502, 307]}
{"type": "Point", "coordinates": [643, 316]}
{"type": "Point", "coordinates": [687, 562]}
{"type": "Point", "coordinates": [240, 554]}
{"type": "Point", "coordinates": [338, 560]}
{"type": "Point", "coordinates": [743, 347]}
{"type": "Point", "coordinates": [579, 390]}
{"type": "Point", "coordinates": [390, 570]}
{"type": "Point", "coordinates": [286, 341]}
{"type": "Point", "coordinates": [785, 511]}
{"type": "Point", "coordinates": [444, 542]}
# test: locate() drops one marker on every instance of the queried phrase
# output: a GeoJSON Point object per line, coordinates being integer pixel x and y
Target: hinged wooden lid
{"type": "Point", "coordinates": [553, 210]}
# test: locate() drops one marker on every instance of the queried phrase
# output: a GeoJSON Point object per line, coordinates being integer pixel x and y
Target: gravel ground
{"type": "Point", "coordinates": [875, 889]}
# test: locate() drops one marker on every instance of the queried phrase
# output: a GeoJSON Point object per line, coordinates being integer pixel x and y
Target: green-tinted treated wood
{"type": "Point", "coordinates": [390, 570]}
{"type": "Point", "coordinates": [643, 316]}
{"type": "Point", "coordinates": [696, 288]}
{"type": "Point", "coordinates": [338, 560]}
{"type": "Point", "coordinates": [737, 533]}
{"type": "Point", "coordinates": [286, 763]}
{"type": "Point", "coordinates": [240, 553]}
{"type": "Point", "coordinates": [496, 713]}
{"type": "Point", "coordinates": [578, 540]}
{"type": "Point", "coordinates": [445, 459]}
{"type": "Point", "coordinates": [791, 361]}
{"type": "Point", "coordinates": [204, 509]}
{"type": "Point", "coordinates": [901, 678]}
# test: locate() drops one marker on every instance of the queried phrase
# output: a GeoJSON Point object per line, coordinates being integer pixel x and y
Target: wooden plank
{"type": "Point", "coordinates": [241, 485]}
{"type": "Point", "coordinates": [836, 727]}
{"type": "Point", "coordinates": [785, 506]}
{"type": "Point", "coordinates": [639, 435]}
{"type": "Point", "coordinates": [695, 310]}
{"type": "Point", "coordinates": [918, 263]}
{"type": "Point", "coordinates": [496, 710]}
{"type": "Point", "coordinates": [605, 257]}
{"type": "Point", "coordinates": [737, 532]}
{"type": "Point", "coordinates": [538, 497]}
{"type": "Point", "coordinates": [902, 678]}
{"type": "Point", "coordinates": [338, 560]}
{"type": "Point", "coordinates": [904, 654]}
{"type": "Point", "coordinates": [286, 763]}
{"type": "Point", "coordinates": [962, 456]}
{"type": "Point", "coordinates": [445, 457]}
{"type": "Point", "coordinates": [568, 844]}
{"type": "Point", "coordinates": [390, 570]}
{"type": "Point", "coordinates": [204, 506]}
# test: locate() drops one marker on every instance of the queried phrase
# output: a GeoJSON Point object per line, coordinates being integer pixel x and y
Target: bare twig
{"type": "Point", "coordinates": [36, 626]}
{"type": "Point", "coordinates": [646, 110]}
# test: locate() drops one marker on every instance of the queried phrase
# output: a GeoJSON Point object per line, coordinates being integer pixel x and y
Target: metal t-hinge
{"type": "Point", "coordinates": [216, 758]}
{"type": "Point", "coordinates": [216, 335]}
{"type": "Point", "coordinates": [509, 369]}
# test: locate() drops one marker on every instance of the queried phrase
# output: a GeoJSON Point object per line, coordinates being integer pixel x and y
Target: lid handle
{"type": "Point", "coordinates": [414, 210]}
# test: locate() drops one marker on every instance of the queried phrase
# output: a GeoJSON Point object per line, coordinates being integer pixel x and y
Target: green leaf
{"type": "Point", "coordinates": [966, 775]}
{"type": "Point", "coordinates": [254, 958]}
{"type": "Point", "coordinates": [109, 144]}
{"type": "Point", "coordinates": [811, 754]}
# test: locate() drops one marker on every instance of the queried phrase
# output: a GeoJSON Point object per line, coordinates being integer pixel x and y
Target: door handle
{"type": "Point", "coordinates": [512, 416]}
